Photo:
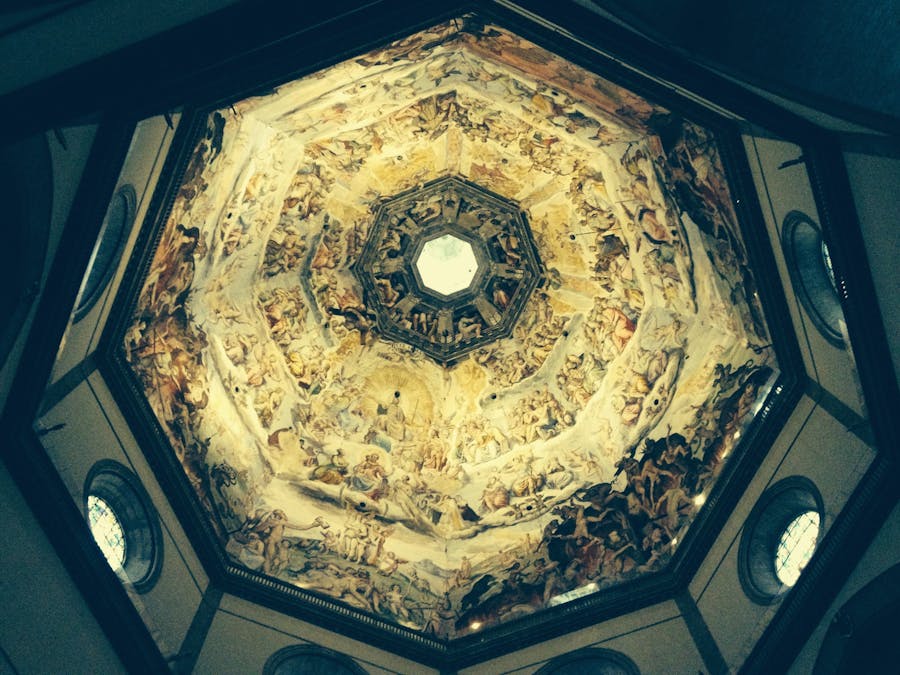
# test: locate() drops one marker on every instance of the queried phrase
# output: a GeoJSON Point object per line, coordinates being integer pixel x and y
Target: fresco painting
{"type": "Point", "coordinates": [563, 458]}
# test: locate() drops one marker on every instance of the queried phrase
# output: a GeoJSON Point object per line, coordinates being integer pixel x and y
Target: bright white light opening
{"type": "Point", "coordinates": [829, 267]}
{"type": "Point", "coordinates": [797, 544]}
{"type": "Point", "coordinates": [107, 531]}
{"type": "Point", "coordinates": [447, 264]}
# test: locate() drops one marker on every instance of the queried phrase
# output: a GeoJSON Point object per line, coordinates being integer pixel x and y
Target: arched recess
{"type": "Point", "coordinates": [26, 192]}
{"type": "Point", "coordinates": [593, 660]}
{"type": "Point", "coordinates": [108, 249]}
{"type": "Point", "coordinates": [774, 513]}
{"type": "Point", "coordinates": [862, 637]}
{"type": "Point", "coordinates": [310, 660]}
{"type": "Point", "coordinates": [121, 490]}
{"type": "Point", "coordinates": [809, 264]}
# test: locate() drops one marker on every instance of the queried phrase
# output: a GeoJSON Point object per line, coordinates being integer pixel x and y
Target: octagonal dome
{"type": "Point", "coordinates": [383, 470]}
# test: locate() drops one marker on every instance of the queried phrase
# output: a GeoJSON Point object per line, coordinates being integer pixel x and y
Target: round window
{"type": "Point", "coordinates": [107, 531]}
{"type": "Point", "coordinates": [812, 272]}
{"type": "Point", "coordinates": [108, 249]}
{"type": "Point", "coordinates": [310, 660]}
{"type": "Point", "coordinates": [796, 546]}
{"type": "Point", "coordinates": [590, 660]}
{"type": "Point", "coordinates": [124, 523]}
{"type": "Point", "coordinates": [779, 538]}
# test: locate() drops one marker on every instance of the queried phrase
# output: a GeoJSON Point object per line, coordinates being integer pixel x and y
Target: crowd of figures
{"type": "Point", "coordinates": [378, 456]}
{"type": "Point", "coordinates": [165, 347]}
{"type": "Point", "coordinates": [601, 535]}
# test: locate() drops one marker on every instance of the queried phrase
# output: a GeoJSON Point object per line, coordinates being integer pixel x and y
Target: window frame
{"type": "Point", "coordinates": [122, 490]}
{"type": "Point", "coordinates": [593, 655]}
{"type": "Point", "coordinates": [284, 656]}
{"type": "Point", "coordinates": [775, 509]}
{"type": "Point", "coordinates": [804, 250]}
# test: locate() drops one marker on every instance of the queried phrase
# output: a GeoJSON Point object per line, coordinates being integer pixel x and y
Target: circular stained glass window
{"type": "Point", "coordinates": [108, 249]}
{"type": "Point", "coordinates": [124, 523]}
{"type": "Point", "coordinates": [812, 274]}
{"type": "Point", "coordinates": [779, 538]}
{"type": "Point", "coordinates": [107, 531]}
{"type": "Point", "coordinates": [796, 546]}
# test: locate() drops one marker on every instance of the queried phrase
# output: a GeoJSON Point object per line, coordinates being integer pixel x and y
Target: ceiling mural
{"type": "Point", "coordinates": [451, 332]}
{"type": "Point", "coordinates": [447, 268]}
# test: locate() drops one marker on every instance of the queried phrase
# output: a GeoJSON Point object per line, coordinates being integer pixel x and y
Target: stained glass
{"type": "Point", "coordinates": [107, 531]}
{"type": "Point", "coordinates": [796, 546]}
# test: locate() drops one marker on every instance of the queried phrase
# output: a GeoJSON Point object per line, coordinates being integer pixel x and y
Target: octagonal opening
{"type": "Point", "coordinates": [447, 264]}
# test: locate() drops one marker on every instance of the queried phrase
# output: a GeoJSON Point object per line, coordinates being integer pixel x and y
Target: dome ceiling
{"type": "Point", "coordinates": [450, 333]}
